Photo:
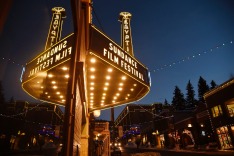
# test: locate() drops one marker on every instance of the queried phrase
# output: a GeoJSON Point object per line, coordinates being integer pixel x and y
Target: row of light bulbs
{"type": "Point", "coordinates": [55, 86]}
{"type": "Point", "coordinates": [106, 85]}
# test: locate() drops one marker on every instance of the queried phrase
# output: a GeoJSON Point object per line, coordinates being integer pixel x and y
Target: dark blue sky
{"type": "Point", "coordinates": [178, 40]}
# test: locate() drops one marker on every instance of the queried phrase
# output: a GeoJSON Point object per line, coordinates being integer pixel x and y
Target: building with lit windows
{"type": "Point", "coordinates": [134, 120]}
{"type": "Point", "coordinates": [164, 127]}
{"type": "Point", "coordinates": [220, 103]}
{"type": "Point", "coordinates": [24, 125]}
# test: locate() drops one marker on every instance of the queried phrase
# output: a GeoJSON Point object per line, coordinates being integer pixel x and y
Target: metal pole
{"type": "Point", "coordinates": [68, 128]}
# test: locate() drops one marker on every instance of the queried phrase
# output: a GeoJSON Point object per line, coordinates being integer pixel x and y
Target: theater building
{"type": "Point", "coordinates": [220, 103]}
{"type": "Point", "coordinates": [86, 71]}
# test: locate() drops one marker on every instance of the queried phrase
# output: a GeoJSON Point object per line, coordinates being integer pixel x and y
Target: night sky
{"type": "Point", "coordinates": [178, 40]}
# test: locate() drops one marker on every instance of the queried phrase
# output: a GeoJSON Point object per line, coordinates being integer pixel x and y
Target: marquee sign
{"type": "Point", "coordinates": [126, 32]}
{"type": "Point", "coordinates": [112, 53]}
{"type": "Point", "coordinates": [55, 26]}
{"type": "Point", "coordinates": [46, 76]}
{"type": "Point", "coordinates": [113, 76]}
{"type": "Point", "coordinates": [58, 53]}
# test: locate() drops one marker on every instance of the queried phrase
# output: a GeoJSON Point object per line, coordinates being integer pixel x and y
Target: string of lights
{"type": "Point", "coordinates": [26, 121]}
{"type": "Point", "coordinates": [155, 115]}
{"type": "Point", "coordinates": [165, 66]}
{"type": "Point", "coordinates": [12, 61]}
{"type": "Point", "coordinates": [21, 113]}
{"type": "Point", "coordinates": [188, 58]}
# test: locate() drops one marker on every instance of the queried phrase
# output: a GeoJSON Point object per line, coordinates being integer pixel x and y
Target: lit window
{"type": "Point", "coordinates": [216, 111]}
{"type": "Point", "coordinates": [230, 107]}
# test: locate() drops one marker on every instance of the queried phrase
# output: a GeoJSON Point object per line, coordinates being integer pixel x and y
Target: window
{"type": "Point", "coordinates": [224, 137]}
{"type": "Point", "coordinates": [216, 111]}
{"type": "Point", "coordinates": [230, 107]}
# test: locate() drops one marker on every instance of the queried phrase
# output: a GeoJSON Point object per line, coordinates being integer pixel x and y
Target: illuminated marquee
{"type": "Point", "coordinates": [46, 76]}
{"type": "Point", "coordinates": [58, 53]}
{"type": "Point", "coordinates": [108, 50]}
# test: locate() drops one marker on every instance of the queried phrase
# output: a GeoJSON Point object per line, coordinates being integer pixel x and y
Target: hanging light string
{"type": "Point", "coordinates": [21, 113]}
{"type": "Point", "coordinates": [188, 58]}
{"type": "Point", "coordinates": [156, 115]}
{"type": "Point", "coordinates": [12, 61]}
{"type": "Point", "coordinates": [165, 66]}
{"type": "Point", "coordinates": [14, 116]}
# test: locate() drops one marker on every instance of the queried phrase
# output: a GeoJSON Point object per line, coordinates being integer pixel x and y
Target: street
{"type": "Point", "coordinates": [171, 152]}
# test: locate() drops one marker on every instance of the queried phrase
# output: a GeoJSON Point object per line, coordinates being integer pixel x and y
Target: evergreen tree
{"type": "Point", "coordinates": [213, 84]}
{"type": "Point", "coordinates": [178, 101]}
{"type": "Point", "coordinates": [166, 103]}
{"type": "Point", "coordinates": [2, 98]}
{"type": "Point", "coordinates": [190, 96]}
{"type": "Point", "coordinates": [202, 89]}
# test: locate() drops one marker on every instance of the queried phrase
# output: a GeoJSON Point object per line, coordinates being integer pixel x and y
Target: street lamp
{"type": "Point", "coordinates": [96, 113]}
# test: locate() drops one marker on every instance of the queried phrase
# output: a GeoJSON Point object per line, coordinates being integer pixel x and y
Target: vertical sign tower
{"type": "Point", "coordinates": [54, 34]}
{"type": "Point", "coordinates": [126, 35]}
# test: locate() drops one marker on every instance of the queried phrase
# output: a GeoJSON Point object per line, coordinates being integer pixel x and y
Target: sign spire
{"type": "Point", "coordinates": [126, 35]}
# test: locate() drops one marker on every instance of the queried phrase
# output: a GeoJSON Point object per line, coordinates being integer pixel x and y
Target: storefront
{"type": "Point", "coordinates": [220, 103]}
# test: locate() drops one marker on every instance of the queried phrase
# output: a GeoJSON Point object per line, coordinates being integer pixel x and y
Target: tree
{"type": "Point", "coordinates": [190, 96]}
{"type": "Point", "coordinates": [202, 89]}
{"type": "Point", "coordinates": [166, 103]}
{"type": "Point", "coordinates": [2, 98]}
{"type": "Point", "coordinates": [213, 84]}
{"type": "Point", "coordinates": [178, 101]}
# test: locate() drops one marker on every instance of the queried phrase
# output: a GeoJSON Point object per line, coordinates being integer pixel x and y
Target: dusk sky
{"type": "Point", "coordinates": [177, 40]}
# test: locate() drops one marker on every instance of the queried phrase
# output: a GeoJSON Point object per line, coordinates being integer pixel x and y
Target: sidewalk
{"type": "Point", "coordinates": [199, 150]}
{"type": "Point", "coordinates": [155, 151]}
